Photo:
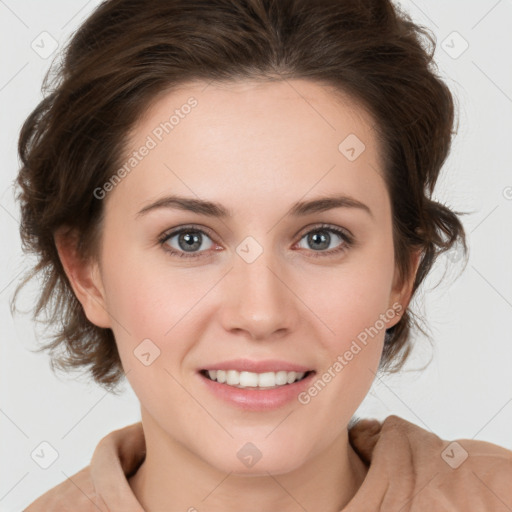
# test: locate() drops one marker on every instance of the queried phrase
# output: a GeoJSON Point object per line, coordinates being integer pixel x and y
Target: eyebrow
{"type": "Point", "coordinates": [212, 209]}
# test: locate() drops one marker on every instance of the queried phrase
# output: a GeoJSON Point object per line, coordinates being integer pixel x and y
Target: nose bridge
{"type": "Point", "coordinates": [260, 302]}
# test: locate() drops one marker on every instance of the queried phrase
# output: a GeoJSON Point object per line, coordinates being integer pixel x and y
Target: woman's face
{"type": "Point", "coordinates": [266, 281]}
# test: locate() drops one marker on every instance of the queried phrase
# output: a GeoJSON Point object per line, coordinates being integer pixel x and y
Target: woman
{"type": "Point", "coordinates": [231, 204]}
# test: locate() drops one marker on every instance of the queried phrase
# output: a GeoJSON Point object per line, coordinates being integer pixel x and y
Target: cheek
{"type": "Point", "coordinates": [355, 304]}
{"type": "Point", "coordinates": [154, 319]}
{"type": "Point", "coordinates": [355, 298]}
{"type": "Point", "coordinates": [352, 308]}
{"type": "Point", "coordinates": [355, 308]}
{"type": "Point", "coordinates": [147, 298]}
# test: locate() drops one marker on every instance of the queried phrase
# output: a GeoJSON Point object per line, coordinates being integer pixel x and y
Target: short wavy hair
{"type": "Point", "coordinates": [130, 51]}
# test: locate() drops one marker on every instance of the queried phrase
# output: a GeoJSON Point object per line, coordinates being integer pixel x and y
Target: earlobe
{"type": "Point", "coordinates": [402, 291]}
{"type": "Point", "coordinates": [84, 277]}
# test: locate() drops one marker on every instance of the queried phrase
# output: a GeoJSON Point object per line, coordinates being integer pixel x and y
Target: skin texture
{"type": "Point", "coordinates": [255, 148]}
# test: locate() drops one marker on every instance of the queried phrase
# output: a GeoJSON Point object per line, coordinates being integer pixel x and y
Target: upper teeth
{"type": "Point", "coordinates": [250, 379]}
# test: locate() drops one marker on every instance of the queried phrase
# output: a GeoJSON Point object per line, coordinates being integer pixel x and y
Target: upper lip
{"type": "Point", "coordinates": [248, 365]}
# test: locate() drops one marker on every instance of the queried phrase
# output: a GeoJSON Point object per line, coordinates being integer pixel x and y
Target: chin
{"type": "Point", "coordinates": [246, 459]}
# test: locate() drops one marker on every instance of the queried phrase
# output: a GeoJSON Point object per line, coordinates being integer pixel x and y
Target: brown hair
{"type": "Point", "coordinates": [129, 51]}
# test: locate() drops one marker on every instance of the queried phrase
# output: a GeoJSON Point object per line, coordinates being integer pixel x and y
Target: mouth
{"type": "Point", "coordinates": [254, 380]}
{"type": "Point", "coordinates": [256, 385]}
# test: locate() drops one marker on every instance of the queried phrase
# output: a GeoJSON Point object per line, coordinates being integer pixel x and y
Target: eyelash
{"type": "Point", "coordinates": [348, 241]}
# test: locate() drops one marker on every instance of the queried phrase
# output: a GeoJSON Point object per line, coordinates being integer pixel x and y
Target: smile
{"type": "Point", "coordinates": [246, 379]}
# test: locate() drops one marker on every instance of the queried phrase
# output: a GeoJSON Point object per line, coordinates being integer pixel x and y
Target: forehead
{"type": "Point", "coordinates": [248, 141]}
{"type": "Point", "coordinates": [286, 112]}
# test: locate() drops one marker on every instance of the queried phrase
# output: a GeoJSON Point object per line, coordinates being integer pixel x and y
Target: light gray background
{"type": "Point", "coordinates": [466, 391]}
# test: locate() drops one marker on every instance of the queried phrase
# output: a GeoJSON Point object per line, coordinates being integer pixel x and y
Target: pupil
{"type": "Point", "coordinates": [190, 241]}
{"type": "Point", "coordinates": [321, 237]}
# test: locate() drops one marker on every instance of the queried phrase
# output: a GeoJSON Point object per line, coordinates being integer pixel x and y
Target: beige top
{"type": "Point", "coordinates": [410, 470]}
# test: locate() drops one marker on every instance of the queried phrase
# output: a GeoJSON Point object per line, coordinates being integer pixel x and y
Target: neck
{"type": "Point", "coordinates": [172, 478]}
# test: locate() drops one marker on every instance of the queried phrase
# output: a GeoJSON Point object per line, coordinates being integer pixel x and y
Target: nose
{"type": "Point", "coordinates": [258, 299]}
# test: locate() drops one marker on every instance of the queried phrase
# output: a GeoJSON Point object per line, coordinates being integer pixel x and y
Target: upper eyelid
{"type": "Point", "coordinates": [176, 231]}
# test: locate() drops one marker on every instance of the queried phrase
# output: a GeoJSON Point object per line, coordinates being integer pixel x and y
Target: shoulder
{"type": "Point", "coordinates": [75, 493]}
{"type": "Point", "coordinates": [116, 455]}
{"type": "Point", "coordinates": [431, 470]}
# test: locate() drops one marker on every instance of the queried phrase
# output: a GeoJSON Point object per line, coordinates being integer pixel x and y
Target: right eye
{"type": "Point", "coordinates": [186, 242]}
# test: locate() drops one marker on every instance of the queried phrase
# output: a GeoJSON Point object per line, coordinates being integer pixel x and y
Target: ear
{"type": "Point", "coordinates": [84, 277]}
{"type": "Point", "coordinates": [402, 289]}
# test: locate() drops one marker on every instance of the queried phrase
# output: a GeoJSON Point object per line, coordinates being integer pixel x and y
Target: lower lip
{"type": "Point", "coordinates": [260, 399]}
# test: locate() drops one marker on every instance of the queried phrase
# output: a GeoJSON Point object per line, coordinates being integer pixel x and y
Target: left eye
{"type": "Point", "coordinates": [189, 242]}
{"type": "Point", "coordinates": [320, 239]}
